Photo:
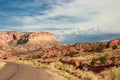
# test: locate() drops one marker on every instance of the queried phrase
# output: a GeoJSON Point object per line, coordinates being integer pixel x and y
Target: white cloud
{"type": "Point", "coordinates": [88, 14]}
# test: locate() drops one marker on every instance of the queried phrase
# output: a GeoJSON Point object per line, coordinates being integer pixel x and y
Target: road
{"type": "Point", "coordinates": [13, 71]}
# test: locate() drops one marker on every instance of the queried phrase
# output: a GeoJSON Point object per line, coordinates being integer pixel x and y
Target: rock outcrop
{"type": "Point", "coordinates": [41, 39]}
{"type": "Point", "coordinates": [14, 43]}
{"type": "Point", "coordinates": [115, 42]}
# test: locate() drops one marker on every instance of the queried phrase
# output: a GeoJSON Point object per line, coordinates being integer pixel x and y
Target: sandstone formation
{"type": "Point", "coordinates": [115, 42]}
{"type": "Point", "coordinates": [23, 42]}
{"type": "Point", "coordinates": [43, 39]}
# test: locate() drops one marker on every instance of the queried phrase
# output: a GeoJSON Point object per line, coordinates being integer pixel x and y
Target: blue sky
{"type": "Point", "coordinates": [63, 18]}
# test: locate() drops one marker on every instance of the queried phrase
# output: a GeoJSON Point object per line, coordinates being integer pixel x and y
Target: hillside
{"type": "Point", "coordinates": [85, 61]}
{"type": "Point", "coordinates": [22, 42]}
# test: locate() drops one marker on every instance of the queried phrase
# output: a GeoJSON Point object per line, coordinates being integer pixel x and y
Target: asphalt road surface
{"type": "Point", "coordinates": [13, 71]}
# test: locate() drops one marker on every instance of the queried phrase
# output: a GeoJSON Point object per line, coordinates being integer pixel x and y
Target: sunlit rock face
{"type": "Point", "coordinates": [5, 38]}
{"type": "Point", "coordinates": [43, 36]}
{"type": "Point", "coordinates": [43, 39]}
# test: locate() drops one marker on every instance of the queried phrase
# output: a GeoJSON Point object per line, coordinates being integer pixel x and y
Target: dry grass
{"type": "Point", "coordinates": [67, 71]}
{"type": "Point", "coordinates": [113, 74]}
{"type": "Point", "coordinates": [48, 67]}
{"type": "Point", "coordinates": [70, 73]}
{"type": "Point", "coordinates": [2, 64]}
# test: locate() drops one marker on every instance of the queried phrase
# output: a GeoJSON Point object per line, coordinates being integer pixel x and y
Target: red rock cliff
{"type": "Point", "coordinates": [28, 38]}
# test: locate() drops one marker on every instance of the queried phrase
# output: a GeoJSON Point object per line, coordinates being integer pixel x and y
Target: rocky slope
{"type": "Point", "coordinates": [21, 42]}
{"type": "Point", "coordinates": [76, 49]}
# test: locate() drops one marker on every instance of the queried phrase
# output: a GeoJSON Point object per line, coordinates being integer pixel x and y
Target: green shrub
{"type": "Point", "coordinates": [20, 58]}
{"type": "Point", "coordinates": [114, 47]}
{"type": "Point", "coordinates": [103, 59]}
{"type": "Point", "coordinates": [5, 58]}
{"type": "Point", "coordinates": [113, 59]}
{"type": "Point", "coordinates": [108, 45]}
{"type": "Point", "coordinates": [71, 54]}
{"type": "Point", "coordinates": [93, 62]}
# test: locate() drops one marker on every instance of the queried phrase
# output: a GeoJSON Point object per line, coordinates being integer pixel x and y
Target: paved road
{"type": "Point", "coordinates": [13, 71]}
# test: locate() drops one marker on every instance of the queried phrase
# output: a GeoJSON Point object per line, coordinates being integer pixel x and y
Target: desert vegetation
{"type": "Point", "coordinates": [104, 65]}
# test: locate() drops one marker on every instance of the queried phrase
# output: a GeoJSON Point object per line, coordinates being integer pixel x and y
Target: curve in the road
{"type": "Point", "coordinates": [13, 71]}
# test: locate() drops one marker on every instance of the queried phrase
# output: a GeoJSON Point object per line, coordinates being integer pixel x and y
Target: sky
{"type": "Point", "coordinates": [71, 21]}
